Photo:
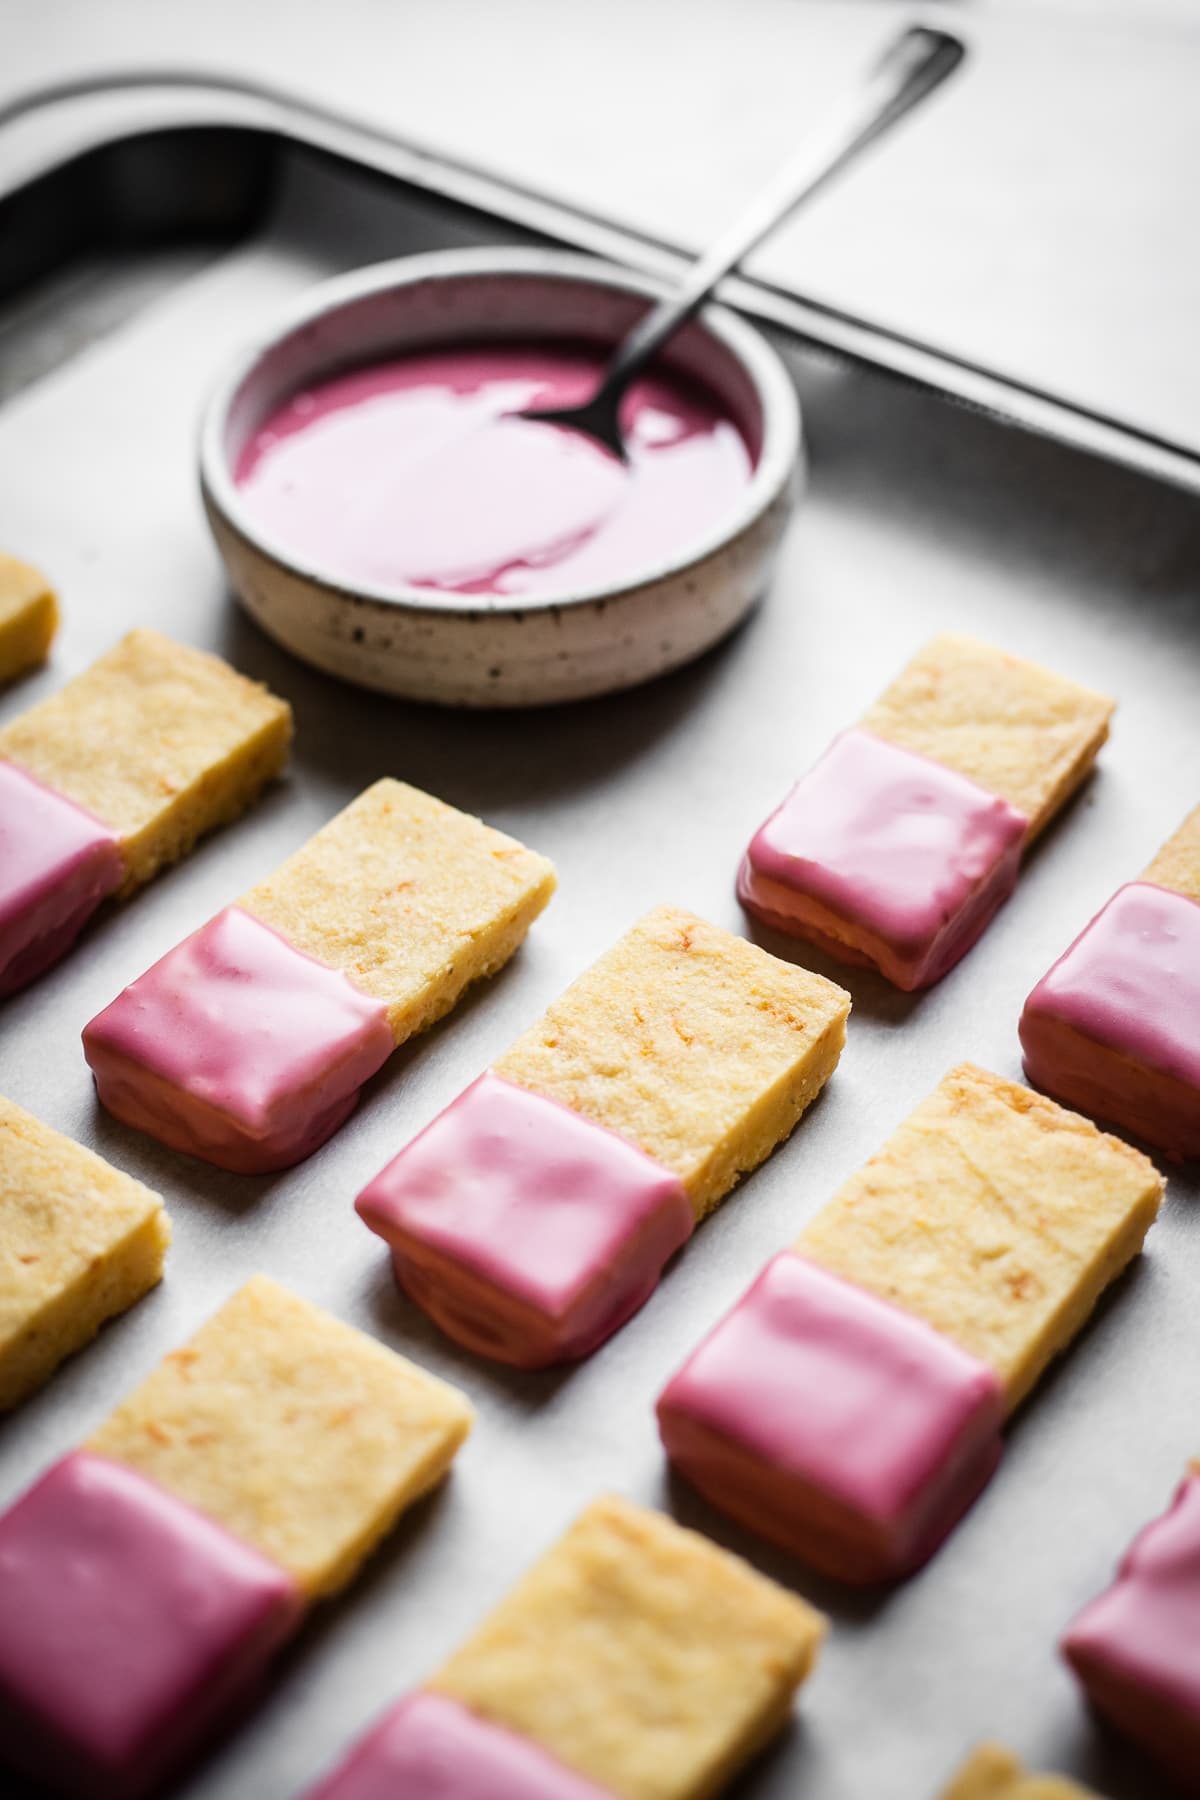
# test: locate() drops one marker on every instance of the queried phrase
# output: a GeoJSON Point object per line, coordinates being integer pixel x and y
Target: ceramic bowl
{"type": "Point", "coordinates": [493, 650]}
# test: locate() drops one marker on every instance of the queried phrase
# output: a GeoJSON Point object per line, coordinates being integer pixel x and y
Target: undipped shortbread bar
{"type": "Point", "coordinates": [79, 1243]}
{"type": "Point", "coordinates": [28, 618]}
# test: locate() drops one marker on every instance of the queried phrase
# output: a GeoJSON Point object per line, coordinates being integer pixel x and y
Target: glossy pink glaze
{"type": "Point", "coordinates": [528, 1233]}
{"type": "Point", "coordinates": [57, 863]}
{"type": "Point", "coordinates": [835, 1424]}
{"type": "Point", "coordinates": [910, 858]}
{"type": "Point", "coordinates": [431, 1748]}
{"type": "Point", "coordinates": [237, 1048]}
{"type": "Point", "coordinates": [417, 472]}
{"type": "Point", "coordinates": [1128, 989]}
{"type": "Point", "coordinates": [131, 1626]}
{"type": "Point", "coordinates": [1136, 1649]}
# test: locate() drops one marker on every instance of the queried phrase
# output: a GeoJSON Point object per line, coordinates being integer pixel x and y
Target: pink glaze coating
{"type": "Point", "coordinates": [1127, 991]}
{"type": "Point", "coordinates": [527, 1232]}
{"type": "Point", "coordinates": [885, 857]}
{"type": "Point", "coordinates": [417, 472]}
{"type": "Point", "coordinates": [431, 1748]}
{"type": "Point", "coordinates": [833, 1423]}
{"type": "Point", "coordinates": [131, 1627]}
{"type": "Point", "coordinates": [57, 863]}
{"type": "Point", "coordinates": [237, 1048]}
{"type": "Point", "coordinates": [1136, 1649]}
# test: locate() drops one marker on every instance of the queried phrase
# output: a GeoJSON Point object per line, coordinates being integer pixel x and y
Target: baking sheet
{"type": "Point", "coordinates": [920, 518]}
{"type": "Point", "coordinates": [1021, 241]}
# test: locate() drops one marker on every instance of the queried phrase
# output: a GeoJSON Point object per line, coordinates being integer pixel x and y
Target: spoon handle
{"type": "Point", "coordinates": [918, 60]}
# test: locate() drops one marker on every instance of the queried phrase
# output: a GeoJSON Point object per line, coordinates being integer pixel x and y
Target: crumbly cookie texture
{"type": "Point", "coordinates": [994, 1214]}
{"type": "Point", "coordinates": [692, 1043]}
{"type": "Point", "coordinates": [28, 617]}
{"type": "Point", "coordinates": [79, 1243]}
{"type": "Point", "coordinates": [993, 1773]}
{"type": "Point", "coordinates": [300, 1435]}
{"type": "Point", "coordinates": [1177, 864]}
{"type": "Point", "coordinates": [409, 898]}
{"type": "Point", "coordinates": [640, 1656]}
{"type": "Point", "coordinates": [1015, 728]}
{"type": "Point", "coordinates": [158, 741]}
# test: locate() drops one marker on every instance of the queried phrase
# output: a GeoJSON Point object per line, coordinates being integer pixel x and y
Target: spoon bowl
{"type": "Point", "coordinates": [491, 649]}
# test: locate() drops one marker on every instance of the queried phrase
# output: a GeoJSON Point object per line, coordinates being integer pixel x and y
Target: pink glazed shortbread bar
{"type": "Point", "coordinates": [1114, 1028]}
{"type": "Point", "coordinates": [249, 1043]}
{"type": "Point", "coordinates": [903, 841]}
{"type": "Point", "coordinates": [117, 775]}
{"type": "Point", "coordinates": [147, 1579]}
{"type": "Point", "coordinates": [1136, 1649]}
{"type": "Point", "coordinates": [634, 1661]}
{"type": "Point", "coordinates": [535, 1215]}
{"type": "Point", "coordinates": [851, 1405]}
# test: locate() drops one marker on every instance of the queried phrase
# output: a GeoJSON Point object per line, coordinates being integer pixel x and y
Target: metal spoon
{"type": "Point", "coordinates": [918, 61]}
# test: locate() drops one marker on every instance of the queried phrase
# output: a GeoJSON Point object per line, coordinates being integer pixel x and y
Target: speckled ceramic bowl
{"type": "Point", "coordinates": [492, 651]}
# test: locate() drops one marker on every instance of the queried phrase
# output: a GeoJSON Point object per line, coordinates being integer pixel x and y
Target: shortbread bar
{"type": "Point", "coordinates": [79, 1243]}
{"type": "Point", "coordinates": [147, 1579]}
{"type": "Point", "coordinates": [635, 1661]}
{"type": "Point", "coordinates": [249, 1043]}
{"type": "Point", "coordinates": [117, 775]}
{"type": "Point", "coordinates": [1136, 1649]}
{"type": "Point", "coordinates": [850, 1407]}
{"type": "Point", "coordinates": [28, 618]}
{"type": "Point", "coordinates": [535, 1215]}
{"type": "Point", "coordinates": [1114, 1028]}
{"type": "Point", "coordinates": [993, 1773]}
{"type": "Point", "coordinates": [904, 840]}
{"type": "Point", "coordinates": [295, 1432]}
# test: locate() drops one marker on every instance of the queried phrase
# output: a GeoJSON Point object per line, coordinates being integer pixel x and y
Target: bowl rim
{"type": "Point", "coordinates": [777, 397]}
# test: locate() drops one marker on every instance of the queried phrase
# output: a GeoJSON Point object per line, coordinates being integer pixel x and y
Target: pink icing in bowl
{"type": "Point", "coordinates": [420, 471]}
{"type": "Point", "coordinates": [382, 517]}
